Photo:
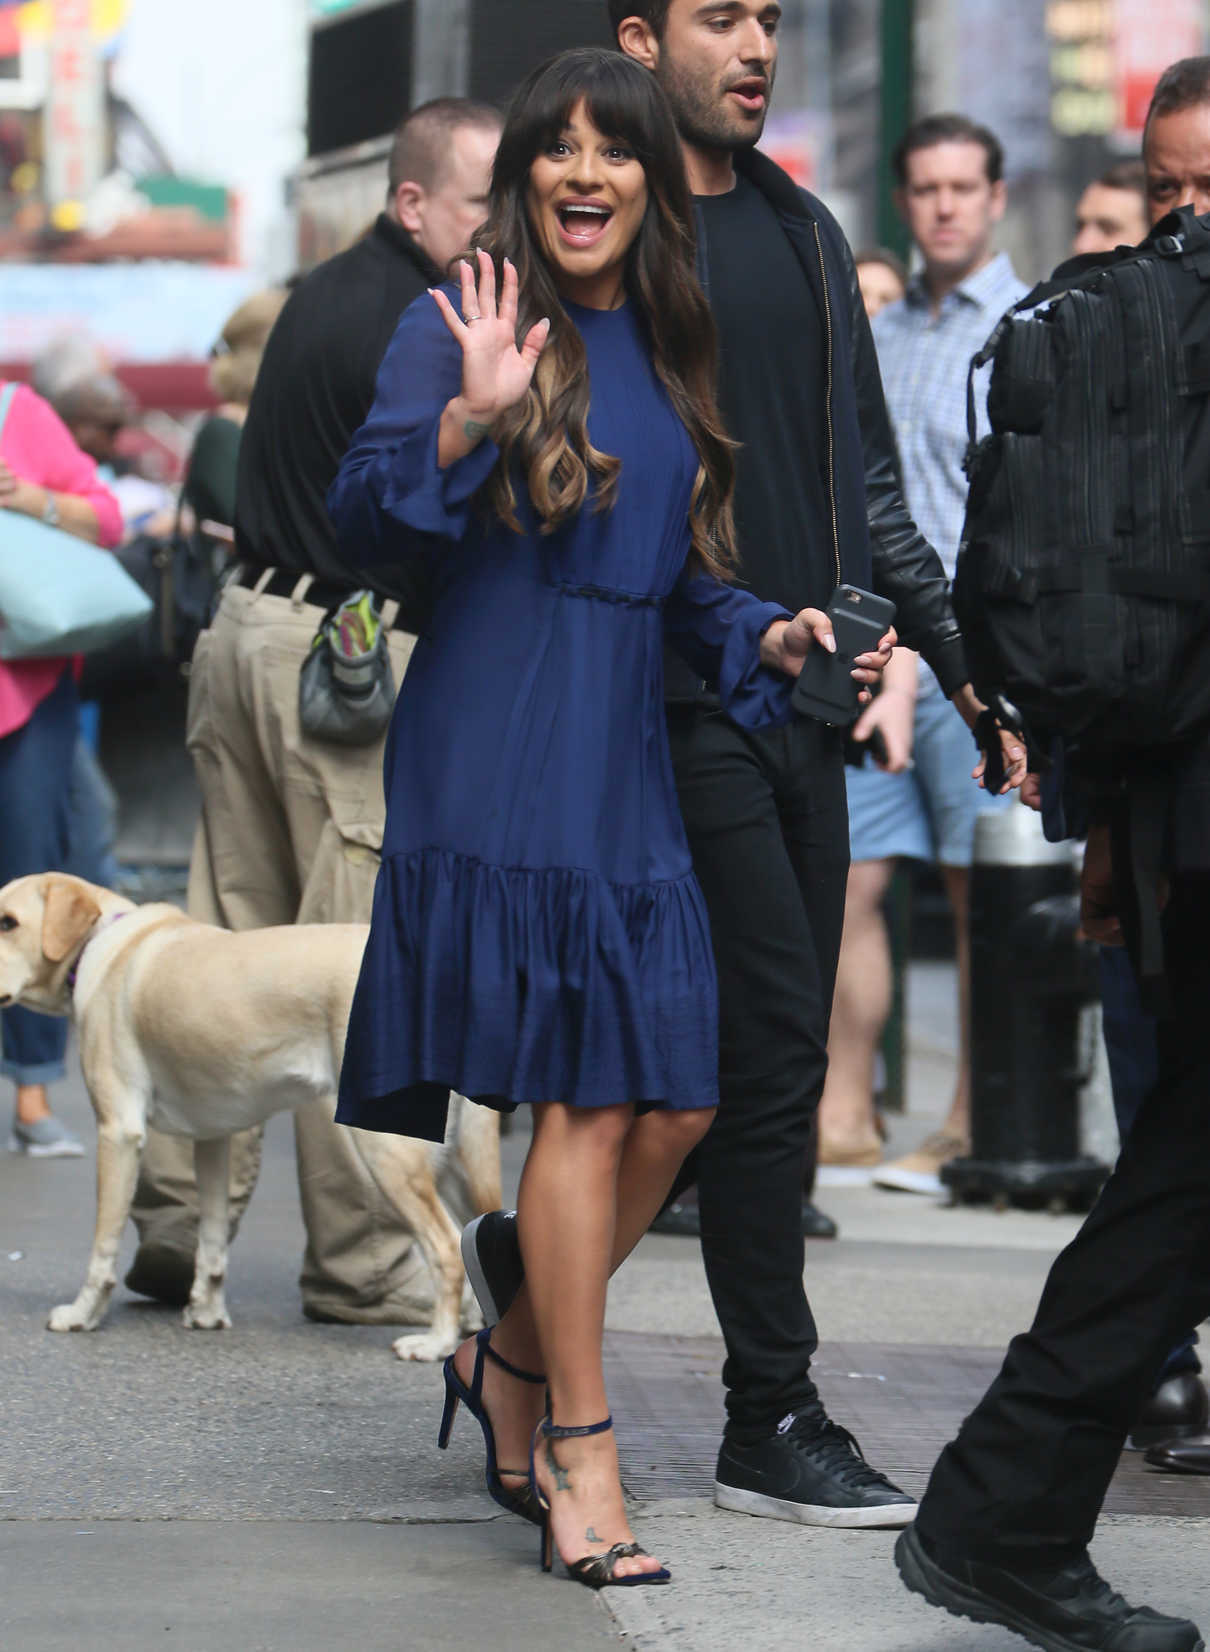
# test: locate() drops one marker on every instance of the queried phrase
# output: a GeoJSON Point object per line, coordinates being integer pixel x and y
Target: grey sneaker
{"type": "Point", "coordinates": [45, 1139]}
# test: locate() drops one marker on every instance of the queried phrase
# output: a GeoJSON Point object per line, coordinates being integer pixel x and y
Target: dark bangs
{"type": "Point", "coordinates": [545, 436]}
{"type": "Point", "coordinates": [621, 99]}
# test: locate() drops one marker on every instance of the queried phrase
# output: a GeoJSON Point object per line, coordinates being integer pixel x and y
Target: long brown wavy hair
{"type": "Point", "coordinates": [546, 434]}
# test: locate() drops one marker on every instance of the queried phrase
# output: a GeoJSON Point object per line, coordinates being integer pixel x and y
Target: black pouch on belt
{"type": "Point", "coordinates": [346, 688]}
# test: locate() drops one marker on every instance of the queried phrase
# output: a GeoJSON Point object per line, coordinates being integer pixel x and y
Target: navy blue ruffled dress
{"type": "Point", "coordinates": [538, 933]}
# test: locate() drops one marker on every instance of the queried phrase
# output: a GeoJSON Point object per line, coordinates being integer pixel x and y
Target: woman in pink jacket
{"type": "Point", "coordinates": [43, 474]}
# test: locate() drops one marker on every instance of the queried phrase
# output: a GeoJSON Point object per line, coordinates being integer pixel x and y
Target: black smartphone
{"type": "Point", "coordinates": [826, 688]}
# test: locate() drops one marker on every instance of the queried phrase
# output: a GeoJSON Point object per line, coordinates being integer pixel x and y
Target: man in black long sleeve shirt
{"type": "Point", "coordinates": [291, 827]}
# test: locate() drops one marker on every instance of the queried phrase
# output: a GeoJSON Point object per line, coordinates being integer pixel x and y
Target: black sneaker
{"type": "Point", "coordinates": [811, 1471]}
{"type": "Point", "coordinates": [491, 1255]}
{"type": "Point", "coordinates": [1072, 1610]}
{"type": "Point", "coordinates": [162, 1272]}
{"type": "Point", "coordinates": [683, 1218]}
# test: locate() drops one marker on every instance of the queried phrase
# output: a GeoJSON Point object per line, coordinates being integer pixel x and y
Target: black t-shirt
{"type": "Point", "coordinates": [773, 394]}
{"type": "Point", "coordinates": [313, 392]}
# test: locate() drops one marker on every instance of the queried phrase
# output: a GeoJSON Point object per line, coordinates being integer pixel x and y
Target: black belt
{"type": "Point", "coordinates": [283, 582]}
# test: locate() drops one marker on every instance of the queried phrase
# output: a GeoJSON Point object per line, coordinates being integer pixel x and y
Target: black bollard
{"type": "Point", "coordinates": [1031, 978]}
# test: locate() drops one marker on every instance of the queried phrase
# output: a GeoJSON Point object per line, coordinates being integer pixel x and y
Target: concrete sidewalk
{"type": "Point", "coordinates": [277, 1488]}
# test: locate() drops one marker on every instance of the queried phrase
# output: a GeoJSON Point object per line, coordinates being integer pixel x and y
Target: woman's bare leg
{"type": "Point", "coordinates": [592, 1184]}
{"type": "Point", "coordinates": [859, 1013]}
{"type": "Point", "coordinates": [32, 1103]}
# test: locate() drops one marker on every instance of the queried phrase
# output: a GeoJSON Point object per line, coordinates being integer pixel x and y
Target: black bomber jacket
{"type": "Point", "coordinates": [877, 545]}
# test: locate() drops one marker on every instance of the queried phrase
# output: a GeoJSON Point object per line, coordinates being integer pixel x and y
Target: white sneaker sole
{"type": "Point", "coordinates": [56, 1150]}
{"type": "Point", "coordinates": [845, 1175]}
{"type": "Point", "coordinates": [909, 1181]}
{"type": "Point", "coordinates": [885, 1515]}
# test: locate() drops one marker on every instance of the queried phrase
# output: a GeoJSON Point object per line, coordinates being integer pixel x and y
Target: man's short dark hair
{"type": "Point", "coordinates": [421, 146]}
{"type": "Point", "coordinates": [1182, 85]}
{"type": "Point", "coordinates": [653, 12]}
{"type": "Point", "coordinates": [883, 255]}
{"type": "Point", "coordinates": [1130, 175]}
{"type": "Point", "coordinates": [928, 132]}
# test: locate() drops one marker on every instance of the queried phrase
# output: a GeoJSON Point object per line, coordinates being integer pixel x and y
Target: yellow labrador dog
{"type": "Point", "coordinates": [201, 1032]}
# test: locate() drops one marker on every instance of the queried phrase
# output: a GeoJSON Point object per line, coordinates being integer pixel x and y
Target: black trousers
{"type": "Point", "coordinates": [769, 831]}
{"type": "Point", "coordinates": [1024, 1481]}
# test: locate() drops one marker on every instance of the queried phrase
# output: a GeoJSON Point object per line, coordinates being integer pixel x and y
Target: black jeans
{"type": "Point", "coordinates": [1024, 1481]}
{"type": "Point", "coordinates": [769, 831]}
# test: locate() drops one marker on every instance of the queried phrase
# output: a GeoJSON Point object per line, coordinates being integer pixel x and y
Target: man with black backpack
{"type": "Point", "coordinates": [1094, 617]}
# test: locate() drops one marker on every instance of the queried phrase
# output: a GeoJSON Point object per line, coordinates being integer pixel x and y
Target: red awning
{"type": "Point", "coordinates": [168, 386]}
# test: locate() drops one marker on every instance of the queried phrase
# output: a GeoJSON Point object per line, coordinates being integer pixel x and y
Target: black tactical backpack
{"type": "Point", "coordinates": [1083, 577]}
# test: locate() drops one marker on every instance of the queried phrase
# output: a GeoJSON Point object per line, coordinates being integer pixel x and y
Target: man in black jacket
{"type": "Point", "coordinates": [291, 827]}
{"type": "Point", "coordinates": [818, 503]}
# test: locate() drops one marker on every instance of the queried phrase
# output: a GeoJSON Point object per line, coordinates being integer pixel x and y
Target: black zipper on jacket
{"type": "Point", "coordinates": [827, 312]}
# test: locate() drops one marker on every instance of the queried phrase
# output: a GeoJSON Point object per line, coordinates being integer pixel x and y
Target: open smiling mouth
{"type": "Point", "coordinates": [583, 223]}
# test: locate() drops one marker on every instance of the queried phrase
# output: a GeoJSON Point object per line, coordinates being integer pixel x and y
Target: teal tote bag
{"type": "Point", "coordinates": [58, 594]}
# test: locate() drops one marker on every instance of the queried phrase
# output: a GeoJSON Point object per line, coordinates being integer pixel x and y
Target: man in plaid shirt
{"type": "Point", "coordinates": [918, 800]}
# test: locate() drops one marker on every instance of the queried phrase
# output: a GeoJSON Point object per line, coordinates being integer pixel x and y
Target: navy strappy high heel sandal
{"type": "Point", "coordinates": [594, 1571]}
{"type": "Point", "coordinates": [521, 1500]}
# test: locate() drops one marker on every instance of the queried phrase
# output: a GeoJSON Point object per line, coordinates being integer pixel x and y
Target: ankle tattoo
{"type": "Point", "coordinates": [590, 1536]}
{"type": "Point", "coordinates": [562, 1478]}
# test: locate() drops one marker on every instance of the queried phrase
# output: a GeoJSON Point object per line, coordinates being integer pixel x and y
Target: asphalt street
{"type": "Point", "coordinates": [277, 1486]}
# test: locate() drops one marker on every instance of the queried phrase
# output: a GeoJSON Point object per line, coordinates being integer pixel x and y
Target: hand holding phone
{"type": "Point", "coordinates": [826, 688]}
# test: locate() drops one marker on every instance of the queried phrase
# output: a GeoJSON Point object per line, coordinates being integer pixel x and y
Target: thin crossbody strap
{"type": "Point", "coordinates": [6, 401]}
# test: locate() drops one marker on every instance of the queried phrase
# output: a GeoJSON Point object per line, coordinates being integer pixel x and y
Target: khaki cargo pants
{"type": "Point", "coordinates": [291, 831]}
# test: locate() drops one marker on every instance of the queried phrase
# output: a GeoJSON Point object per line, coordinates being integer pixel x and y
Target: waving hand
{"type": "Point", "coordinates": [495, 373]}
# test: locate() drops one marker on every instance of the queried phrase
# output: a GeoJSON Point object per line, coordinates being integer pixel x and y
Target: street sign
{"type": "Point", "coordinates": [74, 116]}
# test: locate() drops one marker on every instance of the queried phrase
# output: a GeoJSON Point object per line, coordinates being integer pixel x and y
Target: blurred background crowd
{"type": "Point", "coordinates": [167, 175]}
{"type": "Point", "coordinates": [160, 166]}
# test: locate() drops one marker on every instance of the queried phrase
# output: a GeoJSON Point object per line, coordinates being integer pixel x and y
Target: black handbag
{"type": "Point", "coordinates": [346, 687]}
{"type": "Point", "coordinates": [181, 575]}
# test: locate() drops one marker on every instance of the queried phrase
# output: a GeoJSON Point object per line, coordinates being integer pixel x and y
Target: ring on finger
{"type": "Point", "coordinates": [470, 320]}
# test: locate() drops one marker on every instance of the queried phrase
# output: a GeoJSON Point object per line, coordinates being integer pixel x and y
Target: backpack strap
{"type": "Point", "coordinates": [981, 359]}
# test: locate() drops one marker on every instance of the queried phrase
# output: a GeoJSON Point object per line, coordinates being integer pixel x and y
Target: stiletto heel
{"type": "Point", "coordinates": [520, 1501]}
{"type": "Point", "coordinates": [594, 1571]}
{"type": "Point", "coordinates": [447, 1417]}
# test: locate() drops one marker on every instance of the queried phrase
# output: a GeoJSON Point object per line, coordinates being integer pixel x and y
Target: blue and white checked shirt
{"type": "Point", "coordinates": [924, 360]}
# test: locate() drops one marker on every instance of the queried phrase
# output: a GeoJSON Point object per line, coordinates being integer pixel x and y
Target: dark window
{"type": "Point", "coordinates": [508, 39]}
{"type": "Point", "coordinates": [361, 76]}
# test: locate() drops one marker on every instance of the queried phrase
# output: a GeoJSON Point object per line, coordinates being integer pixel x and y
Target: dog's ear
{"type": "Point", "coordinates": [68, 913]}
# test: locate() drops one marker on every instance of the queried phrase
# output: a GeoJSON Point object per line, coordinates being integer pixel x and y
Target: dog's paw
{"type": "Point", "coordinates": [206, 1317]}
{"type": "Point", "coordinates": [428, 1346]}
{"type": "Point", "coordinates": [70, 1316]}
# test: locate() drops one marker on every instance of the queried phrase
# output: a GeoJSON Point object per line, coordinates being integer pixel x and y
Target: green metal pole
{"type": "Point", "coordinates": [897, 34]}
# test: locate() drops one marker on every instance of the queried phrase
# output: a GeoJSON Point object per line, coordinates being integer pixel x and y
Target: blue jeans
{"type": "Point", "coordinates": [1133, 1069]}
{"type": "Point", "coordinates": [35, 836]}
{"type": "Point", "coordinates": [93, 818]}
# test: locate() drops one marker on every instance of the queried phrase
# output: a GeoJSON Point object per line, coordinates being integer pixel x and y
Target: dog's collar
{"type": "Point", "coordinates": [104, 924]}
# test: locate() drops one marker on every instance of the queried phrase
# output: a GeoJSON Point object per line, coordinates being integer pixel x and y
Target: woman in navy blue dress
{"type": "Point", "coordinates": [545, 433]}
